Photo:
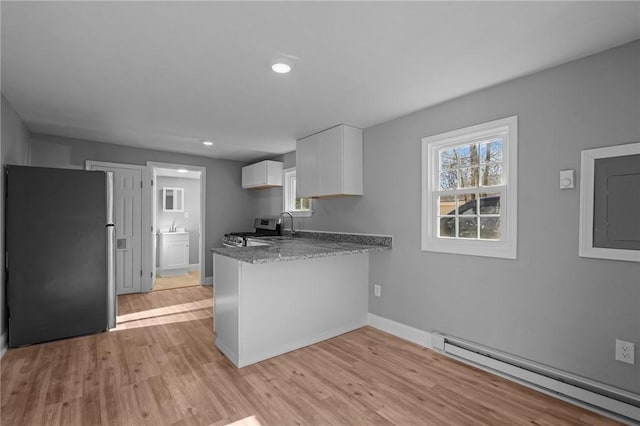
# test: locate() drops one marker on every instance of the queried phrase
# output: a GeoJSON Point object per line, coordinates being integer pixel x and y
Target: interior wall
{"type": "Point", "coordinates": [189, 219]}
{"type": "Point", "coordinates": [228, 206]}
{"type": "Point", "coordinates": [549, 305]}
{"type": "Point", "coordinates": [14, 149]}
{"type": "Point", "coordinates": [268, 202]}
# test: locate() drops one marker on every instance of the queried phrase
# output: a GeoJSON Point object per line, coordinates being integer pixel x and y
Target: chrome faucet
{"type": "Point", "coordinates": [293, 232]}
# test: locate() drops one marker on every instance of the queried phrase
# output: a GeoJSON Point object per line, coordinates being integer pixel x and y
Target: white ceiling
{"type": "Point", "coordinates": [165, 75]}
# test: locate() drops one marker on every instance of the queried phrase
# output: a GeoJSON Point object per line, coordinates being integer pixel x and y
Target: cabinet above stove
{"type": "Point", "coordinates": [265, 174]}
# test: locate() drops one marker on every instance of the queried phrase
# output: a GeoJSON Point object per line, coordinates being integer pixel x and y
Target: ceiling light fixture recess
{"type": "Point", "coordinates": [281, 66]}
{"type": "Point", "coordinates": [207, 143]}
{"type": "Point", "coordinates": [182, 171]}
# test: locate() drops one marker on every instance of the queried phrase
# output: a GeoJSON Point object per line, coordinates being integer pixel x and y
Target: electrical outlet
{"type": "Point", "coordinates": [377, 290]}
{"type": "Point", "coordinates": [625, 351]}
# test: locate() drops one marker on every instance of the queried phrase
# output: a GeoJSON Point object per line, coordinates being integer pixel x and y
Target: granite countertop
{"type": "Point", "coordinates": [308, 247]}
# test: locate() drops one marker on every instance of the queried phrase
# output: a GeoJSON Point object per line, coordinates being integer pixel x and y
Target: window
{"type": "Point", "coordinates": [296, 205]}
{"type": "Point", "coordinates": [609, 202]}
{"type": "Point", "coordinates": [469, 182]}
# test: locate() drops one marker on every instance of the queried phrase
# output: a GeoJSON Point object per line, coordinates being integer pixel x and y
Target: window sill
{"type": "Point", "coordinates": [498, 249]}
{"type": "Point", "coordinates": [308, 213]}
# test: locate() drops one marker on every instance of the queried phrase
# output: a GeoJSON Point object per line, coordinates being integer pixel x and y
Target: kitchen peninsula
{"type": "Point", "coordinates": [291, 293]}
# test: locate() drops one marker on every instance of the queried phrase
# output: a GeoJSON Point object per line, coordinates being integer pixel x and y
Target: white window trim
{"type": "Point", "coordinates": [587, 176]}
{"type": "Point", "coordinates": [285, 188]}
{"type": "Point", "coordinates": [507, 246]}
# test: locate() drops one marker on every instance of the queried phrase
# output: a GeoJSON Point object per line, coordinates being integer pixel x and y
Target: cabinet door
{"type": "Point", "coordinates": [307, 151]}
{"type": "Point", "coordinates": [273, 173]}
{"type": "Point", "coordinates": [175, 253]}
{"type": "Point", "coordinates": [254, 175]}
{"type": "Point", "coordinates": [330, 162]}
{"type": "Point", "coordinates": [352, 161]}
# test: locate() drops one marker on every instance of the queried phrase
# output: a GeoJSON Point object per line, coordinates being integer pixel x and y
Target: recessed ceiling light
{"type": "Point", "coordinates": [207, 143]}
{"type": "Point", "coordinates": [182, 171]}
{"type": "Point", "coordinates": [281, 66]}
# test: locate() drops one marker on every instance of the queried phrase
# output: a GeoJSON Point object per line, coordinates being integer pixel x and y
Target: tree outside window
{"type": "Point", "coordinates": [469, 182]}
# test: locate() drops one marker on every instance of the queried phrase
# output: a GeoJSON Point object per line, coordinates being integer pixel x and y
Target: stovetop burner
{"type": "Point", "coordinates": [245, 234]}
{"type": "Point", "coordinates": [264, 228]}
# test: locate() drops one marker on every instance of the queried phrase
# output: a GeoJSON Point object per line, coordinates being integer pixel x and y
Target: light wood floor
{"type": "Point", "coordinates": [160, 367]}
{"type": "Point", "coordinates": [166, 283]}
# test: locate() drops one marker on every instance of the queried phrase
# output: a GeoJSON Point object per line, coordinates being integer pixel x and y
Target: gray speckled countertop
{"type": "Point", "coordinates": [286, 249]}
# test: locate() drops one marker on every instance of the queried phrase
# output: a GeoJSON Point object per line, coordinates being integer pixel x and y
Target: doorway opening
{"type": "Point", "coordinates": [177, 221]}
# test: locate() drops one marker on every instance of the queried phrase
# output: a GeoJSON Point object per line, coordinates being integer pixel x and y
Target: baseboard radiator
{"type": "Point", "coordinates": [608, 400]}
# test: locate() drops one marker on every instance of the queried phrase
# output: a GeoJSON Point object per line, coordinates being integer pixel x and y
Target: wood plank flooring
{"type": "Point", "coordinates": [160, 367]}
{"type": "Point", "coordinates": [179, 281]}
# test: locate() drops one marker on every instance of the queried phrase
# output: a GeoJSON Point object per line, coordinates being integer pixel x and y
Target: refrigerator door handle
{"type": "Point", "coordinates": [109, 198]}
{"type": "Point", "coordinates": [112, 298]}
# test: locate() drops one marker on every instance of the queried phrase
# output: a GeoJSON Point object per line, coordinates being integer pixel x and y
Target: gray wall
{"type": "Point", "coordinates": [228, 206]}
{"type": "Point", "coordinates": [268, 202]}
{"type": "Point", "coordinates": [14, 149]}
{"type": "Point", "coordinates": [549, 305]}
{"type": "Point", "coordinates": [191, 205]}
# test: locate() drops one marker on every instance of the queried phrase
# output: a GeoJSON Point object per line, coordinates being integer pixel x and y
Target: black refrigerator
{"type": "Point", "coordinates": [59, 253]}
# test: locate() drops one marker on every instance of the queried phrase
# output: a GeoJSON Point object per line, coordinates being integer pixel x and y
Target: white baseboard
{"type": "Point", "coordinates": [580, 398]}
{"type": "Point", "coordinates": [4, 343]}
{"type": "Point", "coordinates": [172, 272]}
{"type": "Point", "coordinates": [191, 268]}
{"type": "Point", "coordinates": [559, 389]}
{"type": "Point", "coordinates": [208, 281]}
{"type": "Point", "coordinates": [412, 334]}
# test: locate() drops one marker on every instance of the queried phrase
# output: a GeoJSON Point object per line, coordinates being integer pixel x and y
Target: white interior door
{"type": "Point", "coordinates": [127, 214]}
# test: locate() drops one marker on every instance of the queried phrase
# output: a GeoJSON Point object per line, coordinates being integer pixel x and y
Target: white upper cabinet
{"type": "Point", "coordinates": [265, 174]}
{"type": "Point", "coordinates": [307, 150]}
{"type": "Point", "coordinates": [329, 163]}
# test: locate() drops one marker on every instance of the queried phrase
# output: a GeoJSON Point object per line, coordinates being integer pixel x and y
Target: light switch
{"type": "Point", "coordinates": [186, 215]}
{"type": "Point", "coordinates": [567, 179]}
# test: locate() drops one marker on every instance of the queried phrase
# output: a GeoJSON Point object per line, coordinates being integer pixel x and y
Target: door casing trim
{"type": "Point", "coordinates": [203, 216]}
{"type": "Point", "coordinates": [145, 282]}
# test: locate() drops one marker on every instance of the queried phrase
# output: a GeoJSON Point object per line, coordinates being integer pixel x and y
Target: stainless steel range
{"type": "Point", "coordinates": [264, 227]}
